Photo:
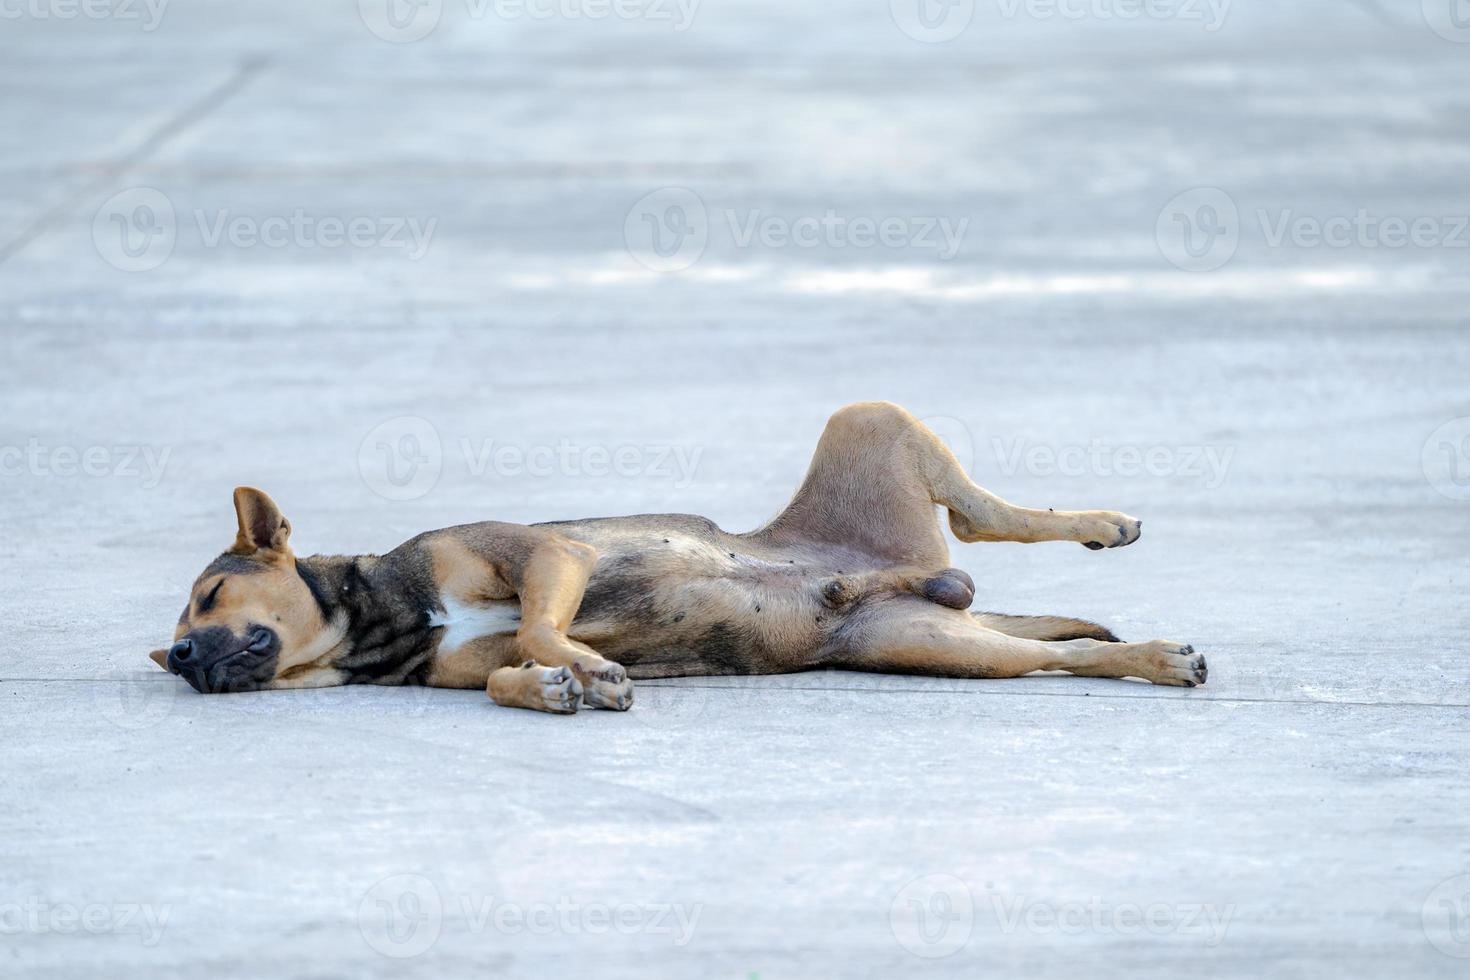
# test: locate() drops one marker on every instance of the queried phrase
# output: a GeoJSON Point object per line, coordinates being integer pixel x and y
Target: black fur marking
{"type": "Point", "coordinates": [386, 602]}
{"type": "Point", "coordinates": [233, 564]}
{"type": "Point", "coordinates": [726, 649]}
{"type": "Point", "coordinates": [620, 592]}
{"type": "Point", "coordinates": [318, 590]}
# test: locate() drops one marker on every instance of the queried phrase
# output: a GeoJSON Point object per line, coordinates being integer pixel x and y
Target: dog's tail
{"type": "Point", "coordinates": [1045, 627]}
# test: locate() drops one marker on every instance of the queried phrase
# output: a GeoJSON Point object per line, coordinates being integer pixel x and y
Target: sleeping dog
{"type": "Point", "coordinates": [853, 574]}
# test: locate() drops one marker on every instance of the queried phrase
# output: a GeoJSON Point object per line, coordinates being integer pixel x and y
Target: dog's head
{"type": "Point", "coordinates": [252, 617]}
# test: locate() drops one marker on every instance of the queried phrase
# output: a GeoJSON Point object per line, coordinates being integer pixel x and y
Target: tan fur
{"type": "Point", "coordinates": [1044, 627]}
{"type": "Point", "coordinates": [275, 596]}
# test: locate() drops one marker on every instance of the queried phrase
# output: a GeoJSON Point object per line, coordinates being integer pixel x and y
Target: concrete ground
{"type": "Point", "coordinates": [1207, 265]}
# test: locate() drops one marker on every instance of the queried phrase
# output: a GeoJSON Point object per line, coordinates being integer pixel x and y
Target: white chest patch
{"type": "Point", "coordinates": [464, 622]}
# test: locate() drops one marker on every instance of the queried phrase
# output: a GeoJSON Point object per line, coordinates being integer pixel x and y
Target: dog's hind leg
{"type": "Point", "coordinates": [905, 635]}
{"type": "Point", "coordinates": [876, 477]}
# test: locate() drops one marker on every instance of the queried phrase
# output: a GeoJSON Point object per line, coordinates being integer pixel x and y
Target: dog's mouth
{"type": "Point", "coordinates": [216, 661]}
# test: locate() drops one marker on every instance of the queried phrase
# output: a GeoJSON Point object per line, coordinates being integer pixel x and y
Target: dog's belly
{"type": "Point", "coordinates": [677, 596]}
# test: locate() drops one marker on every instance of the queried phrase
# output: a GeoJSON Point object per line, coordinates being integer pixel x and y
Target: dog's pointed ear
{"type": "Point", "coordinates": [159, 657]}
{"type": "Point", "coordinates": [264, 531]}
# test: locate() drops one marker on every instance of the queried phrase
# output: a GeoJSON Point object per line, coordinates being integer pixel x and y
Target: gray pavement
{"type": "Point", "coordinates": [1207, 265]}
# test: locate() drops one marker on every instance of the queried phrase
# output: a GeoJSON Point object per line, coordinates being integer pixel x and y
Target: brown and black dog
{"type": "Point", "coordinates": [852, 574]}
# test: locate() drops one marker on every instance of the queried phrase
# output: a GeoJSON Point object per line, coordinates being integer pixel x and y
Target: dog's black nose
{"type": "Point", "coordinates": [180, 653]}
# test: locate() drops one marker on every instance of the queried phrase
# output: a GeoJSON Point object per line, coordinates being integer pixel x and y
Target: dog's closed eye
{"type": "Point", "coordinates": [207, 603]}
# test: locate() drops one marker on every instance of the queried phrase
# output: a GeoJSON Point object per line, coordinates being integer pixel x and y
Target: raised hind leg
{"type": "Point", "coordinates": [876, 477]}
{"type": "Point", "coordinates": [904, 635]}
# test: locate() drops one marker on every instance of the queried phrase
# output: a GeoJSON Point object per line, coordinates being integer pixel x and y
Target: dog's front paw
{"type": "Point", "coordinates": [604, 684]}
{"type": "Point", "coordinates": [1109, 529]}
{"type": "Point", "coordinates": [558, 688]}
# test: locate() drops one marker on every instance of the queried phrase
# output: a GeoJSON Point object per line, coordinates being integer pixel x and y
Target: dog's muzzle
{"type": "Point", "coordinates": [216, 661]}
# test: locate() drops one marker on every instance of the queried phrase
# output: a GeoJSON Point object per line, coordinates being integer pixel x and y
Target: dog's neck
{"type": "Point", "coordinates": [380, 605]}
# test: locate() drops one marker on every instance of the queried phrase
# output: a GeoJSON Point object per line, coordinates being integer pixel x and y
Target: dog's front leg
{"type": "Point", "coordinates": [552, 582]}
